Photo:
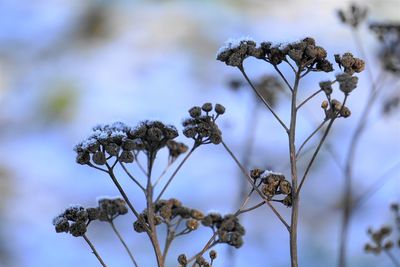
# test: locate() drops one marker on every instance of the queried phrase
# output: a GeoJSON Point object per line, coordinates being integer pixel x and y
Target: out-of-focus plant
{"type": "Point", "coordinates": [386, 240]}
{"type": "Point", "coordinates": [389, 57]}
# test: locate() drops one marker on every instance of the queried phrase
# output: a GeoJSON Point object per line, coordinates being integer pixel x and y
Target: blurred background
{"type": "Point", "coordinates": [66, 66]}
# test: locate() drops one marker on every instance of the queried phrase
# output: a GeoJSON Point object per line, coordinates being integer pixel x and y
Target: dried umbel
{"type": "Point", "coordinates": [306, 54]}
{"type": "Point", "coordinates": [349, 63]}
{"type": "Point", "coordinates": [73, 220]}
{"type": "Point", "coordinates": [273, 184]}
{"type": "Point", "coordinates": [123, 142]}
{"type": "Point", "coordinates": [228, 228]}
{"type": "Point", "coordinates": [169, 212]}
{"type": "Point", "coordinates": [385, 240]}
{"type": "Point", "coordinates": [354, 16]}
{"type": "Point", "coordinates": [201, 126]}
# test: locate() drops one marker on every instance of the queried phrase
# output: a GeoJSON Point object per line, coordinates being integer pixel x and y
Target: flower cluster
{"type": "Point", "coordinates": [75, 219]}
{"type": "Point", "coordinates": [354, 16]}
{"type": "Point", "coordinates": [273, 184]}
{"type": "Point", "coordinates": [175, 149]}
{"type": "Point", "coordinates": [228, 228]}
{"type": "Point", "coordinates": [335, 109]}
{"type": "Point", "coordinates": [200, 260]}
{"type": "Point", "coordinates": [380, 239]}
{"type": "Point", "coordinates": [167, 211]}
{"type": "Point", "coordinates": [306, 54]}
{"type": "Point", "coordinates": [379, 242]}
{"type": "Point", "coordinates": [350, 63]}
{"type": "Point", "coordinates": [123, 142]}
{"type": "Point", "coordinates": [389, 35]}
{"type": "Point", "coordinates": [201, 126]}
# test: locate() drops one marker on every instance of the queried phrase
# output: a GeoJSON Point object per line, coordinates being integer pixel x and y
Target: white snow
{"type": "Point", "coordinates": [233, 43]}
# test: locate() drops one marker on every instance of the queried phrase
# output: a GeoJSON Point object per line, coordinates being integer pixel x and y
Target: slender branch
{"type": "Point", "coordinates": [392, 258]}
{"type": "Point", "coordinates": [100, 169]}
{"type": "Point", "coordinates": [121, 190]}
{"type": "Point", "coordinates": [263, 100]}
{"type": "Point", "coordinates": [253, 207]}
{"type": "Point", "coordinates": [94, 251]}
{"type": "Point", "coordinates": [139, 164]}
{"type": "Point", "coordinates": [319, 147]}
{"type": "Point", "coordinates": [310, 136]}
{"type": "Point", "coordinates": [123, 243]}
{"type": "Point", "coordinates": [162, 174]}
{"type": "Point", "coordinates": [255, 188]}
{"type": "Point", "coordinates": [378, 184]}
{"type": "Point", "coordinates": [175, 172]}
{"type": "Point", "coordinates": [308, 99]}
{"type": "Point", "coordinates": [283, 76]}
{"type": "Point", "coordinates": [131, 176]}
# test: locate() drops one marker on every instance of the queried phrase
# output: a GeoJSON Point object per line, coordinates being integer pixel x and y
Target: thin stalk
{"type": "Point", "coordinates": [175, 172]}
{"type": "Point", "coordinates": [283, 76]}
{"type": "Point", "coordinates": [150, 212]}
{"type": "Point", "coordinates": [321, 142]}
{"type": "Point", "coordinates": [254, 187]}
{"type": "Point", "coordinates": [293, 171]}
{"type": "Point", "coordinates": [308, 98]}
{"type": "Point", "coordinates": [131, 176]}
{"type": "Point", "coordinates": [94, 251]}
{"type": "Point", "coordinates": [310, 136]}
{"type": "Point", "coordinates": [123, 243]}
{"type": "Point", "coordinates": [263, 100]}
{"type": "Point", "coordinates": [392, 258]}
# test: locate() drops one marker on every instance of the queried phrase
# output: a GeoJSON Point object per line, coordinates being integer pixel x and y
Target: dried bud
{"type": "Point", "coordinates": [219, 109]}
{"type": "Point", "coordinates": [207, 107]}
{"type": "Point", "coordinates": [195, 112]}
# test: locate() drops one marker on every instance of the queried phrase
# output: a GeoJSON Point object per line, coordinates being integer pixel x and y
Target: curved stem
{"type": "Point", "coordinates": [254, 187]}
{"type": "Point", "coordinates": [175, 172]}
{"type": "Point", "coordinates": [94, 251]}
{"type": "Point", "coordinates": [123, 243]}
{"type": "Point", "coordinates": [131, 176]}
{"type": "Point", "coordinates": [392, 258]}
{"type": "Point", "coordinates": [308, 99]}
{"type": "Point", "coordinates": [310, 136]}
{"type": "Point", "coordinates": [263, 100]}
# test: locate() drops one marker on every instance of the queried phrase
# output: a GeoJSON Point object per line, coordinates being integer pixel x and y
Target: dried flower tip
{"type": "Point", "coordinates": [61, 224]}
{"type": "Point", "coordinates": [388, 245]}
{"type": "Point", "coordinates": [78, 229]}
{"type": "Point", "coordinates": [99, 158]}
{"type": "Point", "coordinates": [182, 259]}
{"type": "Point", "coordinates": [325, 104]}
{"type": "Point", "coordinates": [192, 224]}
{"type": "Point", "coordinates": [353, 16]}
{"type": "Point", "coordinates": [195, 112]}
{"type": "Point", "coordinates": [219, 109]}
{"type": "Point", "coordinates": [207, 107]}
{"type": "Point", "coordinates": [196, 214]}
{"type": "Point", "coordinates": [256, 173]}
{"type": "Point", "coordinates": [213, 254]}
{"type": "Point", "coordinates": [326, 86]}
{"type": "Point", "coordinates": [287, 201]}
{"type": "Point", "coordinates": [126, 157]}
{"type": "Point", "coordinates": [347, 83]}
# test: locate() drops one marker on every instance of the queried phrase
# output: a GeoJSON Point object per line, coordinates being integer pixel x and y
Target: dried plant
{"type": "Point", "coordinates": [385, 240]}
{"type": "Point", "coordinates": [119, 145]}
{"type": "Point", "coordinates": [389, 56]}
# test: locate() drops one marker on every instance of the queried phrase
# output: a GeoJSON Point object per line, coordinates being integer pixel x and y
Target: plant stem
{"type": "Point", "coordinates": [293, 170]}
{"type": "Point", "coordinates": [392, 258]}
{"type": "Point", "coordinates": [123, 243]}
{"type": "Point", "coordinates": [150, 211]}
{"type": "Point", "coordinates": [263, 100]}
{"type": "Point", "coordinates": [175, 172]}
{"type": "Point", "coordinates": [94, 251]}
{"type": "Point", "coordinates": [255, 187]}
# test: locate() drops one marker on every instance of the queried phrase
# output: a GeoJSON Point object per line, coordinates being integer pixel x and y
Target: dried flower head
{"type": "Point", "coordinates": [203, 129]}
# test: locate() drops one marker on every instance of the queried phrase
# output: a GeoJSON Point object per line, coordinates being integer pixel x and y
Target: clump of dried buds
{"type": "Point", "coordinates": [201, 126]}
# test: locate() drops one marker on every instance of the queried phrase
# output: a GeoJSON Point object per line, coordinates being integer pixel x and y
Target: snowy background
{"type": "Point", "coordinates": [66, 66]}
